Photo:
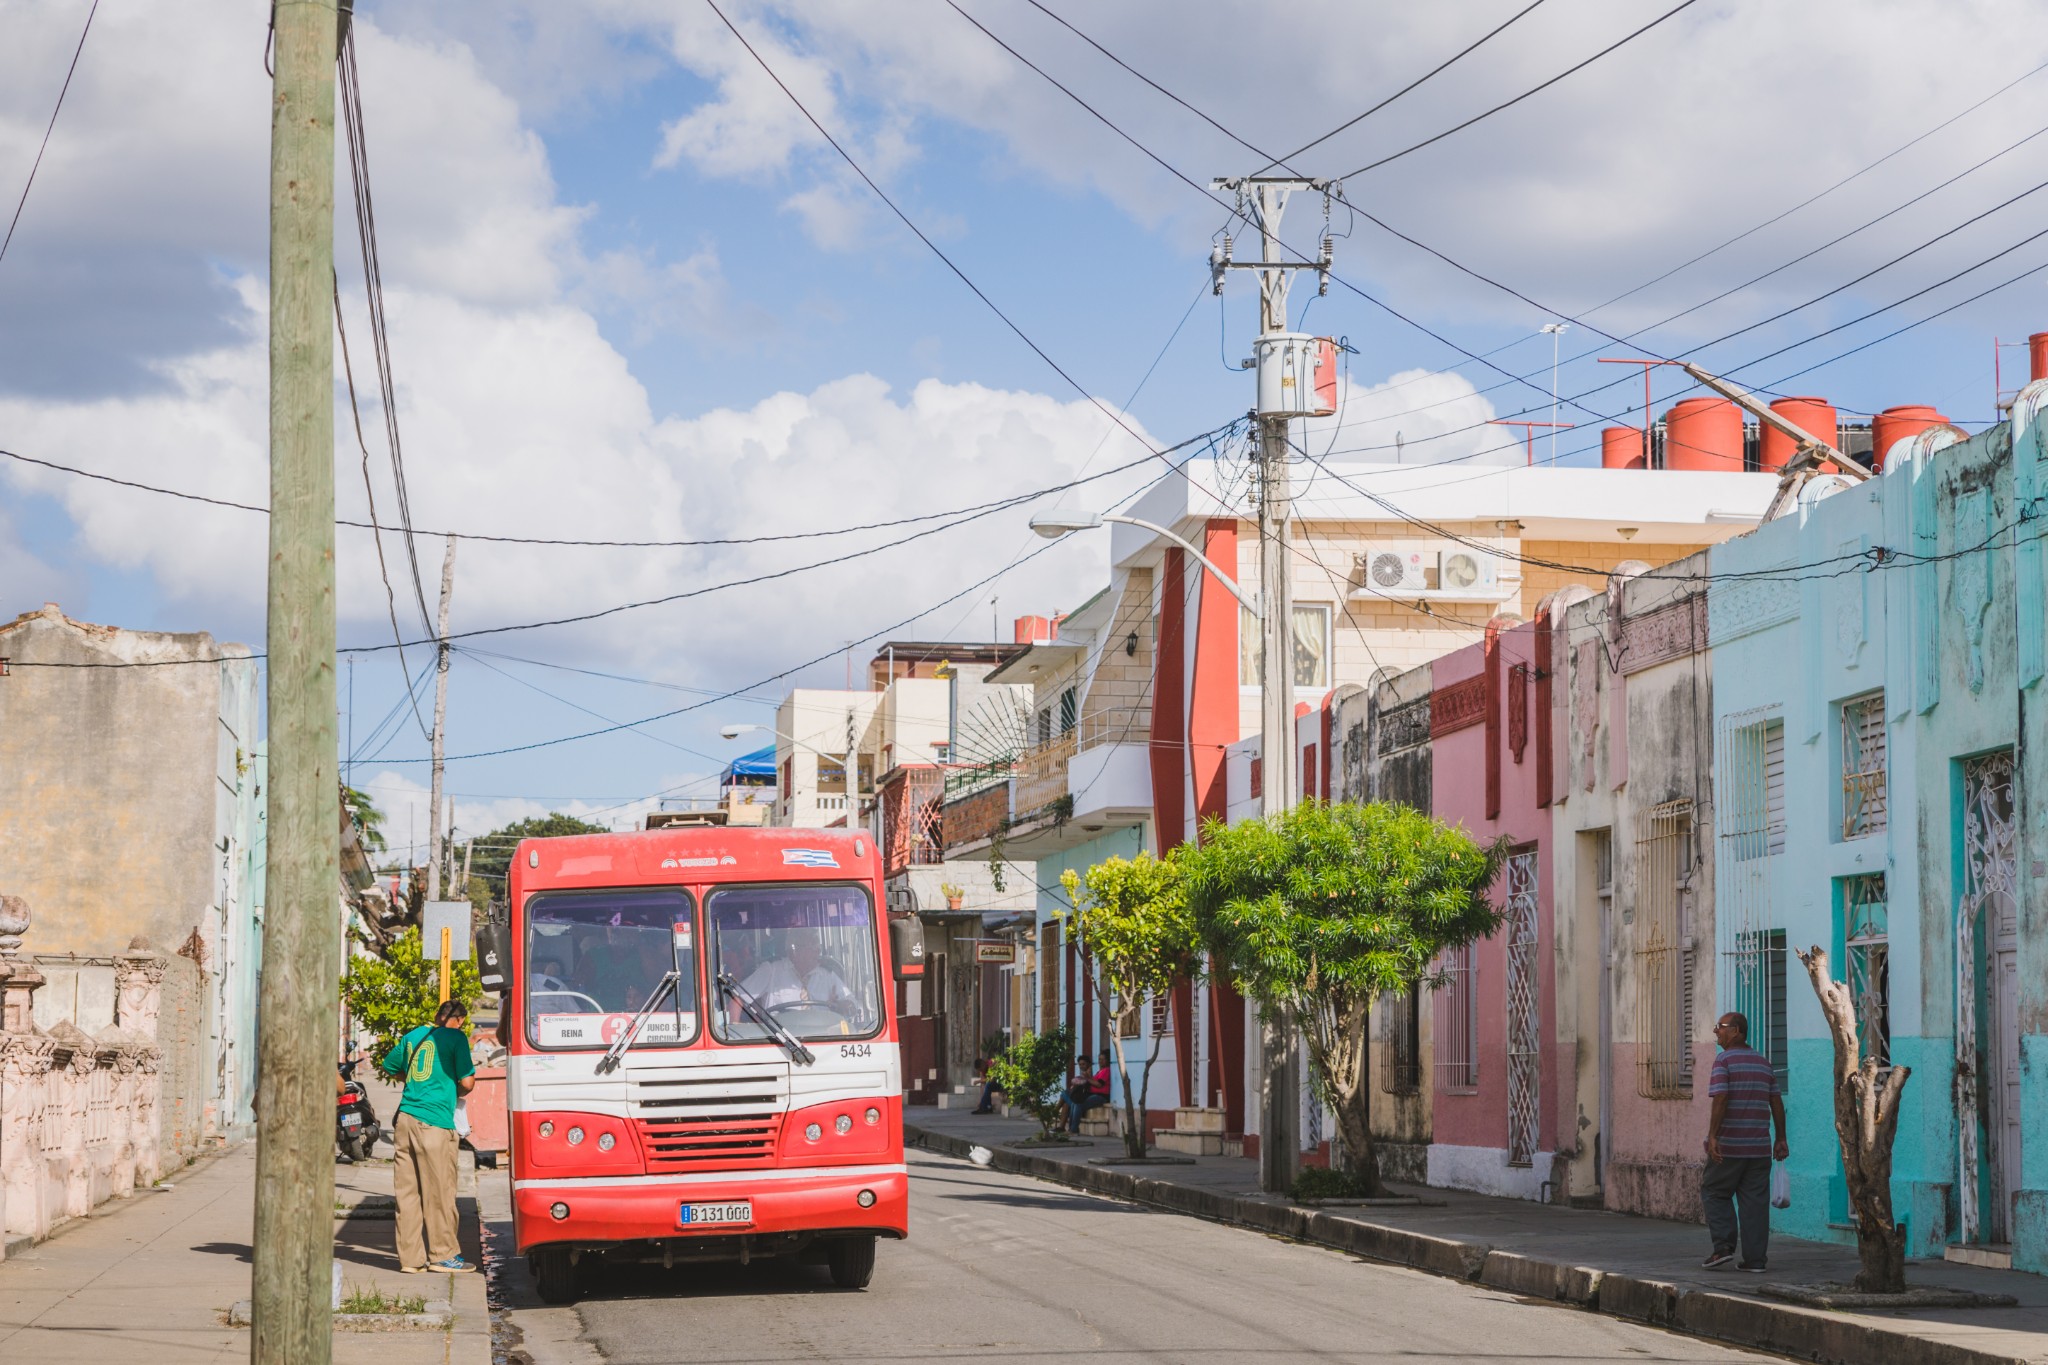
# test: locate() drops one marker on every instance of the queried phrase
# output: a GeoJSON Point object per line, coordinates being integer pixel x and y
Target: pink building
{"type": "Point", "coordinates": [1502, 1093]}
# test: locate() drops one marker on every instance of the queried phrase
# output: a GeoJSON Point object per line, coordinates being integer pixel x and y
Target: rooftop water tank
{"type": "Point", "coordinates": [1814, 416]}
{"type": "Point", "coordinates": [1704, 434]}
{"type": "Point", "coordinates": [2037, 353]}
{"type": "Point", "coordinates": [1894, 425]}
{"type": "Point", "coordinates": [1622, 448]}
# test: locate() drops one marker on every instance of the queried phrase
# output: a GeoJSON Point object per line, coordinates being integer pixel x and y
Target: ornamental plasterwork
{"type": "Point", "coordinates": [1740, 606]}
{"type": "Point", "coordinates": [1669, 632]}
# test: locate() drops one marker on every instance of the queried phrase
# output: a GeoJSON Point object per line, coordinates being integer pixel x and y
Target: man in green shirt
{"type": "Point", "coordinates": [434, 1061]}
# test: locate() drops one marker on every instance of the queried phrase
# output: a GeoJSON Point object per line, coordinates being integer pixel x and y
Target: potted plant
{"type": "Point", "coordinates": [955, 896]}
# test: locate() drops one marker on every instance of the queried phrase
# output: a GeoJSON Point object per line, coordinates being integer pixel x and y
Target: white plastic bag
{"type": "Point", "coordinates": [1781, 1186]}
{"type": "Point", "coordinates": [462, 1130]}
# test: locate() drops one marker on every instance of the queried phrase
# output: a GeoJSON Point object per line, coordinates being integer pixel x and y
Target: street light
{"type": "Point", "coordinates": [1556, 330]}
{"type": "Point", "coordinates": [1053, 525]}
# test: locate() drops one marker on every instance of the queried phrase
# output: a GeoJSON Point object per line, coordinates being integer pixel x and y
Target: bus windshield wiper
{"type": "Point", "coordinates": [612, 1055]}
{"type": "Point", "coordinates": [756, 1012]}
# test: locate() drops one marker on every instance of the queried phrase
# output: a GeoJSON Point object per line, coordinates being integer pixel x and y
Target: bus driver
{"type": "Point", "coordinates": [800, 978]}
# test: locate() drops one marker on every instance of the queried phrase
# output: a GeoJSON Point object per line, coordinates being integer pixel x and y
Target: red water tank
{"type": "Point", "coordinates": [1814, 416]}
{"type": "Point", "coordinates": [1621, 448]}
{"type": "Point", "coordinates": [1032, 630]}
{"type": "Point", "coordinates": [1893, 425]}
{"type": "Point", "coordinates": [1704, 434]}
{"type": "Point", "coordinates": [2037, 353]}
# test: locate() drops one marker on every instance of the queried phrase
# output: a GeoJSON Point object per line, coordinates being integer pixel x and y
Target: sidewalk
{"type": "Point", "coordinates": [153, 1276]}
{"type": "Point", "coordinates": [1643, 1269]}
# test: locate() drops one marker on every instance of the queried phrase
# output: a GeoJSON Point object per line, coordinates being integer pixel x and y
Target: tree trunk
{"type": "Point", "coordinates": [1337, 1040]}
{"type": "Point", "coordinates": [1866, 1121]}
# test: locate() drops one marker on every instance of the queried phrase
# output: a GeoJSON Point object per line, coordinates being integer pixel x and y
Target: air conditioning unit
{"type": "Point", "coordinates": [1465, 570]}
{"type": "Point", "coordinates": [1392, 570]}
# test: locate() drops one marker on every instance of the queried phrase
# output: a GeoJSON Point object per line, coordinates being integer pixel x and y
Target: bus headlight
{"type": "Point", "coordinates": [873, 1116]}
{"type": "Point", "coordinates": [866, 1199]}
{"type": "Point", "coordinates": [575, 1136]}
{"type": "Point", "coordinates": [813, 1132]}
{"type": "Point", "coordinates": [558, 1211]}
{"type": "Point", "coordinates": [842, 1125]}
{"type": "Point", "coordinates": [547, 1127]}
{"type": "Point", "coordinates": [605, 1142]}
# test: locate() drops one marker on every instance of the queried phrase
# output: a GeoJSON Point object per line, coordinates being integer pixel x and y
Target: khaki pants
{"type": "Point", "coordinates": [423, 1178]}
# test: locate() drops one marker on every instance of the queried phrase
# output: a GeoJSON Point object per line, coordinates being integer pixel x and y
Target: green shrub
{"type": "Point", "coordinates": [1032, 1074]}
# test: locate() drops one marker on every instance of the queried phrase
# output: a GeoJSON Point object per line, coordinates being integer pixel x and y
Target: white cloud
{"type": "Point", "coordinates": [1415, 417]}
{"type": "Point", "coordinates": [403, 800]}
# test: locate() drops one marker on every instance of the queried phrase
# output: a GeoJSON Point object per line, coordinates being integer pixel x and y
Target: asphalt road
{"type": "Point", "coordinates": [1003, 1268]}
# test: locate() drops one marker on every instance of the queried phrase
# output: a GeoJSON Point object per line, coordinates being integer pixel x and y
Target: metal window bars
{"type": "Point", "coordinates": [1865, 946]}
{"type": "Point", "coordinates": [1863, 766]}
{"type": "Point", "coordinates": [1457, 1021]}
{"type": "Point", "coordinates": [1663, 951]}
{"type": "Point", "coordinates": [1525, 1023]}
{"type": "Point", "coordinates": [1749, 826]}
{"type": "Point", "coordinates": [1401, 1021]}
{"type": "Point", "coordinates": [1990, 896]}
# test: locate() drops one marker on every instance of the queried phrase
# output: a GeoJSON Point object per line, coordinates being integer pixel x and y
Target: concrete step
{"type": "Point", "coordinates": [1102, 1123]}
{"type": "Point", "coordinates": [1187, 1143]}
{"type": "Point", "coordinates": [1990, 1255]}
{"type": "Point", "coordinates": [1198, 1120]}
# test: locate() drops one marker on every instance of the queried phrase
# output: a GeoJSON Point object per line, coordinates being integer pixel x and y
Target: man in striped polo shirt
{"type": "Point", "coordinates": [1737, 1180]}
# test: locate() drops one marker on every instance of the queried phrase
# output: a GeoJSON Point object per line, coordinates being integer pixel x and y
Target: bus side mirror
{"type": "Point", "coordinates": [494, 958]}
{"type": "Point", "coordinates": [906, 946]}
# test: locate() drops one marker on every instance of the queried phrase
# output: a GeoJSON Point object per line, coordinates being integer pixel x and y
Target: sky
{"type": "Point", "coordinates": [633, 294]}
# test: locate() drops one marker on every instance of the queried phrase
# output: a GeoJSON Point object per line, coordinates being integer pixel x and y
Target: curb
{"type": "Point", "coordinates": [1735, 1320]}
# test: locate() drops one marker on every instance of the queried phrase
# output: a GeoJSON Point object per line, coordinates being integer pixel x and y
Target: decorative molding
{"type": "Point", "coordinates": [1454, 707]}
{"type": "Point", "coordinates": [1670, 632]}
{"type": "Point", "coordinates": [1518, 710]}
{"type": "Point", "coordinates": [1743, 606]}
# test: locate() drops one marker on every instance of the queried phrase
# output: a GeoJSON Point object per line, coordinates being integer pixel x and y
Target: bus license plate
{"type": "Point", "coordinates": [697, 1215]}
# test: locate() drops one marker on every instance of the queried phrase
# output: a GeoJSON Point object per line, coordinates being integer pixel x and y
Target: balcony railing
{"type": "Point", "coordinates": [1042, 775]}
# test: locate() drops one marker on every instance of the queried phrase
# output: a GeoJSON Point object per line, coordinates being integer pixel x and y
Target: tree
{"type": "Point", "coordinates": [1314, 912]}
{"type": "Point", "coordinates": [493, 856]}
{"type": "Point", "coordinates": [368, 819]}
{"type": "Point", "coordinates": [400, 991]}
{"type": "Point", "coordinates": [1866, 1121]}
{"type": "Point", "coordinates": [1138, 938]}
{"type": "Point", "coordinates": [1032, 1074]}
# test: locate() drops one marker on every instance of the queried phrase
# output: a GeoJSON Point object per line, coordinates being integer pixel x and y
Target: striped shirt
{"type": "Point", "coordinates": [1746, 1077]}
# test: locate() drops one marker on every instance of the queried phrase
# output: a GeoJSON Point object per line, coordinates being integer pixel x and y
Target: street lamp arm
{"type": "Point", "coordinates": [1204, 560]}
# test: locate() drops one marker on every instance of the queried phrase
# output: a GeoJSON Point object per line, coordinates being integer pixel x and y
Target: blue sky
{"type": "Point", "coordinates": [633, 295]}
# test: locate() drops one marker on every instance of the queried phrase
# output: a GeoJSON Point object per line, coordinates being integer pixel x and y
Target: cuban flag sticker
{"type": "Point", "coordinates": [810, 857]}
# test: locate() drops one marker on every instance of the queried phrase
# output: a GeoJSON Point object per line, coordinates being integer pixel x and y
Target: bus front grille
{"type": "Point", "coordinates": [709, 1140]}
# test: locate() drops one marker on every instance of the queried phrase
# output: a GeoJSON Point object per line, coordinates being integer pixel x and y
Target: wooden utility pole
{"type": "Point", "coordinates": [440, 718]}
{"type": "Point", "coordinates": [294, 1227]}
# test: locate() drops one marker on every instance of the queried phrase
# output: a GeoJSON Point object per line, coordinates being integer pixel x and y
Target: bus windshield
{"type": "Point", "coordinates": [593, 958]}
{"type": "Point", "coordinates": [806, 953]}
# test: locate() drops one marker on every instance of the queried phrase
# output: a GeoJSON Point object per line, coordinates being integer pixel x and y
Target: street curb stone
{"type": "Point", "coordinates": [1828, 1338]}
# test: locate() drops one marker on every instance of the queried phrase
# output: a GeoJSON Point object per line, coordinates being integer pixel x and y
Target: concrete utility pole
{"type": "Point", "coordinates": [294, 1228]}
{"type": "Point", "coordinates": [1285, 384]}
{"type": "Point", "coordinates": [440, 718]}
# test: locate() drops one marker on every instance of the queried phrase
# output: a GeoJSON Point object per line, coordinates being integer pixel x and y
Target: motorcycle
{"type": "Point", "coordinates": [356, 1129]}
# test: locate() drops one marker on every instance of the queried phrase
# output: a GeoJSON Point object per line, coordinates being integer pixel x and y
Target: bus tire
{"type": "Point", "coordinates": [554, 1276]}
{"type": "Point", "coordinates": [852, 1260]}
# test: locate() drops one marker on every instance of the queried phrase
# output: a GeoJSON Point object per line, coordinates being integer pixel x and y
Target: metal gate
{"type": "Point", "coordinates": [1985, 924]}
{"type": "Point", "coordinates": [1525, 1031]}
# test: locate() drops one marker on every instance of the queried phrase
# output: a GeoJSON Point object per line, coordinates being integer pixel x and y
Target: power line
{"type": "Point", "coordinates": [1533, 90]}
{"type": "Point", "coordinates": [48, 128]}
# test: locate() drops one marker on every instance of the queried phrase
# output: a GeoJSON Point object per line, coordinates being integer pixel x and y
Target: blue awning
{"type": "Point", "coordinates": [760, 763]}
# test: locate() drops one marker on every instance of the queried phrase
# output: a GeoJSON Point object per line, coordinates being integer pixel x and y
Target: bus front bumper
{"type": "Point", "coordinates": [819, 1199]}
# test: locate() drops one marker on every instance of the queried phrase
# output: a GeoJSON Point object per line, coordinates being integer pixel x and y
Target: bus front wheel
{"type": "Point", "coordinates": [852, 1260]}
{"type": "Point", "coordinates": [554, 1275]}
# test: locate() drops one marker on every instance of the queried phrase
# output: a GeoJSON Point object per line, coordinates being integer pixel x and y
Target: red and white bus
{"type": "Point", "coordinates": [703, 1051]}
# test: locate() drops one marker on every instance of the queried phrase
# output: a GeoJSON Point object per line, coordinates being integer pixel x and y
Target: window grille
{"type": "Point", "coordinates": [1048, 977]}
{"type": "Point", "coordinates": [1749, 818]}
{"type": "Point", "coordinates": [1162, 1015]}
{"type": "Point", "coordinates": [1663, 951]}
{"type": "Point", "coordinates": [1525, 1024]}
{"type": "Point", "coordinates": [1866, 945]}
{"type": "Point", "coordinates": [1990, 902]}
{"type": "Point", "coordinates": [1457, 1020]}
{"type": "Point", "coordinates": [1044, 728]}
{"type": "Point", "coordinates": [1402, 1022]}
{"type": "Point", "coordinates": [1863, 755]}
{"type": "Point", "coordinates": [1070, 708]}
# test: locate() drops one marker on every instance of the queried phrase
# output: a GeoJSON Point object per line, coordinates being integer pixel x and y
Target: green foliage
{"type": "Point", "coordinates": [1316, 911]}
{"type": "Point", "coordinates": [1320, 1182]}
{"type": "Point", "coordinates": [370, 1299]}
{"type": "Point", "coordinates": [1032, 1074]}
{"type": "Point", "coordinates": [1352, 898]}
{"type": "Point", "coordinates": [1132, 920]}
{"type": "Point", "coordinates": [493, 855]}
{"type": "Point", "coordinates": [368, 819]}
{"type": "Point", "coordinates": [401, 991]}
